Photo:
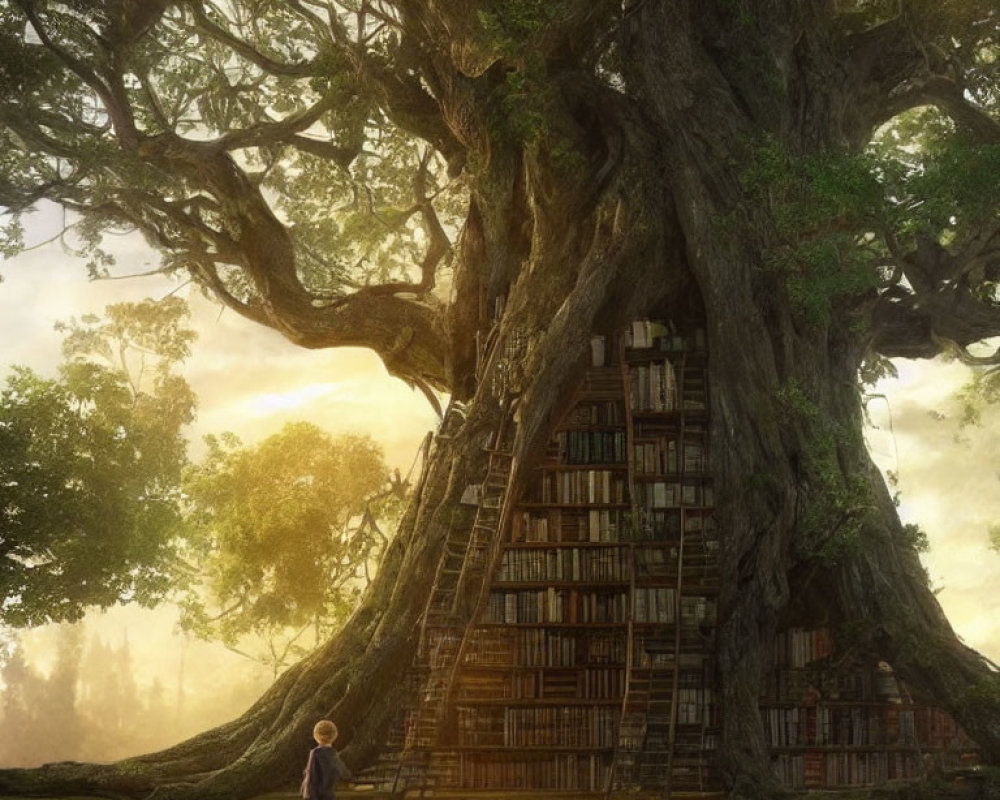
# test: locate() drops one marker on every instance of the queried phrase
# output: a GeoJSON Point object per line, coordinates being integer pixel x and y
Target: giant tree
{"type": "Point", "coordinates": [409, 175]}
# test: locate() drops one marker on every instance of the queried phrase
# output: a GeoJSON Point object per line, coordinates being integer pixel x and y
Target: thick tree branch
{"type": "Point", "coordinates": [274, 132]}
{"type": "Point", "coordinates": [341, 156]}
{"type": "Point", "coordinates": [948, 96]}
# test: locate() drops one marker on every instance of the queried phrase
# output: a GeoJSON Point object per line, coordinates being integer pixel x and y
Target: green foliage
{"type": "Point", "coordinates": [343, 186]}
{"type": "Point", "coordinates": [521, 113]}
{"type": "Point", "coordinates": [937, 181]}
{"type": "Point", "coordinates": [512, 25]}
{"type": "Point", "coordinates": [983, 389]}
{"type": "Point", "coordinates": [915, 537]}
{"type": "Point", "coordinates": [837, 503]}
{"type": "Point", "coordinates": [823, 209]}
{"type": "Point", "coordinates": [284, 536]}
{"type": "Point", "coordinates": [994, 534]}
{"type": "Point", "coordinates": [90, 464]}
{"type": "Point", "coordinates": [841, 222]}
{"type": "Point", "coordinates": [983, 696]}
{"type": "Point", "coordinates": [874, 368]}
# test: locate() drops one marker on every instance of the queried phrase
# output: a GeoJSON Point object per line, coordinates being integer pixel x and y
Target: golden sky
{"type": "Point", "coordinates": [251, 381]}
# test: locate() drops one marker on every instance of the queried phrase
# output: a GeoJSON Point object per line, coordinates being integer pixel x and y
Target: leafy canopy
{"type": "Point", "coordinates": [238, 138]}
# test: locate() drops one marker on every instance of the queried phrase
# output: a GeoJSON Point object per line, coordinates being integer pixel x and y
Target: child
{"type": "Point", "coordinates": [324, 766]}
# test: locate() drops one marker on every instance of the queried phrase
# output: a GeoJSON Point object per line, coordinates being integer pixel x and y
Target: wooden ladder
{"type": "Point", "coordinates": [469, 555]}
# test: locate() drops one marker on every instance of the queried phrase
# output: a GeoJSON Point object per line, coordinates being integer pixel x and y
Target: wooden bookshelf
{"type": "Point", "coordinates": [833, 721]}
{"type": "Point", "coordinates": [596, 613]}
{"type": "Point", "coordinates": [588, 666]}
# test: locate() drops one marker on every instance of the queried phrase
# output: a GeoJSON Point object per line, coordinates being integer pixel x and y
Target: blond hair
{"type": "Point", "coordinates": [325, 731]}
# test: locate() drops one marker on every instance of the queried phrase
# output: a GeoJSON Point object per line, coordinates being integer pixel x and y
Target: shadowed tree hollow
{"type": "Point", "coordinates": [428, 178]}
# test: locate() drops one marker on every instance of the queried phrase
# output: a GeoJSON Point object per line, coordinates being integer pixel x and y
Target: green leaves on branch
{"type": "Point", "coordinates": [845, 225]}
{"type": "Point", "coordinates": [823, 210]}
{"type": "Point", "coordinates": [268, 546]}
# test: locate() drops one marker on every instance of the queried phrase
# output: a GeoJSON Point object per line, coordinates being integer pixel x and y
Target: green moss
{"type": "Point", "coordinates": [837, 507]}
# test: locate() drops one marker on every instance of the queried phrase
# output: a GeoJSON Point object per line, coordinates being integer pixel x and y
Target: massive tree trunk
{"type": "Point", "coordinates": [626, 201]}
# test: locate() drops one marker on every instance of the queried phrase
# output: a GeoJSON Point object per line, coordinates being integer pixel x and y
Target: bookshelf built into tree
{"type": "Point", "coordinates": [569, 639]}
{"type": "Point", "coordinates": [835, 720]}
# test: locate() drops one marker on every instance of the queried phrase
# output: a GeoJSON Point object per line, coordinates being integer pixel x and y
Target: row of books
{"type": "Point", "coordinates": [655, 456]}
{"type": "Point", "coordinates": [540, 647]}
{"type": "Point", "coordinates": [573, 606]}
{"type": "Point", "coordinates": [595, 564]}
{"type": "Point", "coordinates": [658, 456]}
{"type": "Point", "coordinates": [646, 334]}
{"type": "Point", "coordinates": [595, 412]}
{"type": "Point", "coordinates": [694, 706]}
{"type": "Point", "coordinates": [565, 526]}
{"type": "Point", "coordinates": [820, 769]}
{"type": "Point", "coordinates": [556, 771]}
{"type": "Point", "coordinates": [674, 494]}
{"type": "Point", "coordinates": [552, 605]}
{"type": "Point", "coordinates": [664, 524]}
{"type": "Point", "coordinates": [653, 387]}
{"type": "Point", "coordinates": [820, 682]}
{"type": "Point", "coordinates": [642, 334]}
{"type": "Point", "coordinates": [859, 726]}
{"type": "Point", "coordinates": [588, 726]}
{"type": "Point", "coordinates": [591, 447]}
{"type": "Point", "coordinates": [559, 525]}
{"type": "Point", "coordinates": [564, 564]}
{"type": "Point", "coordinates": [592, 486]}
{"type": "Point", "coordinates": [797, 647]}
{"type": "Point", "coordinates": [654, 604]}
{"type": "Point", "coordinates": [591, 683]}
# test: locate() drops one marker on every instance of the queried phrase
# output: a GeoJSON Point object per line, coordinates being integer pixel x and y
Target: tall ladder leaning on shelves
{"type": "Point", "coordinates": [652, 750]}
{"type": "Point", "coordinates": [644, 750]}
{"type": "Point", "coordinates": [697, 578]}
{"type": "Point", "coordinates": [468, 559]}
{"type": "Point", "coordinates": [632, 721]}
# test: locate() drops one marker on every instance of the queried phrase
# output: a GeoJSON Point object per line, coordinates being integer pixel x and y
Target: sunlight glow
{"type": "Point", "coordinates": [270, 402]}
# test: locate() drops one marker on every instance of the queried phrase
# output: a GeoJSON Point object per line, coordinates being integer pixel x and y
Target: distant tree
{"type": "Point", "coordinates": [90, 466]}
{"type": "Point", "coordinates": [57, 720]}
{"type": "Point", "coordinates": [38, 714]}
{"type": "Point", "coordinates": [284, 535]}
{"type": "Point", "coordinates": [15, 714]}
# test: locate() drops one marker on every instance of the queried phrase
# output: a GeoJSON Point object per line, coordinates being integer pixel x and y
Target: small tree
{"type": "Point", "coordinates": [284, 534]}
